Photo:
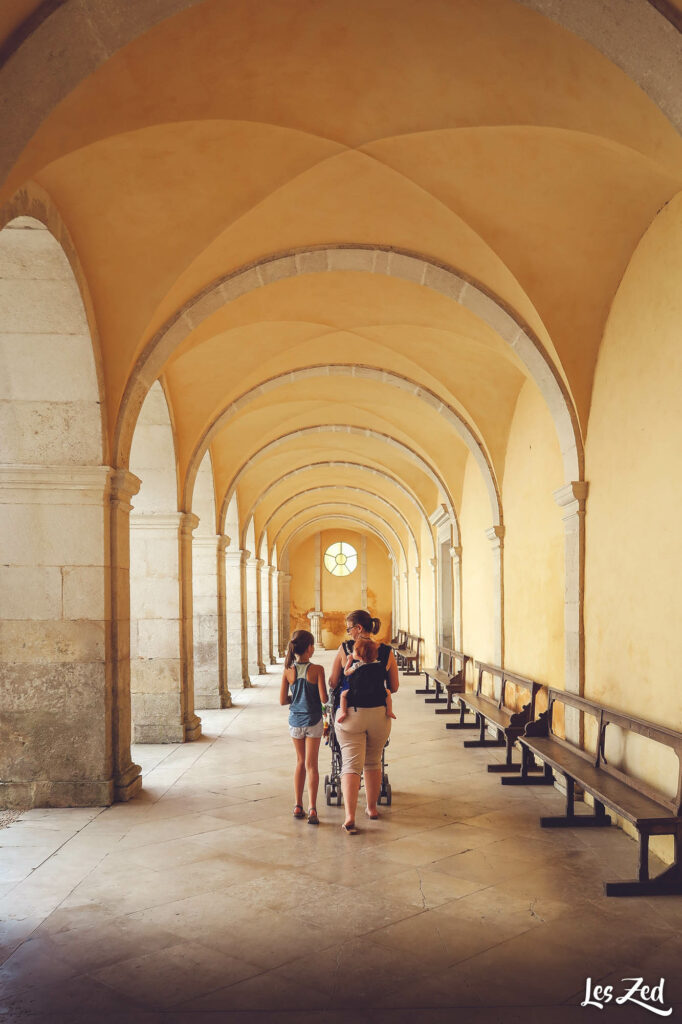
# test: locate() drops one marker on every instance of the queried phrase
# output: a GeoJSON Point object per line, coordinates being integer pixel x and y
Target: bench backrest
{"type": "Point", "coordinates": [505, 676]}
{"type": "Point", "coordinates": [606, 716]}
{"type": "Point", "coordinates": [451, 661]}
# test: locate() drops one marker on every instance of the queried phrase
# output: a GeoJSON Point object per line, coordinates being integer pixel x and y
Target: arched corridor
{"type": "Point", "coordinates": [317, 305]}
{"type": "Point", "coordinates": [204, 900]}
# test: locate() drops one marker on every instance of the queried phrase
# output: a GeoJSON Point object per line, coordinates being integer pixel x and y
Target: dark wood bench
{"type": "Point", "coordinates": [409, 657]}
{"type": "Point", "coordinates": [651, 812]}
{"type": "Point", "coordinates": [399, 644]}
{"type": "Point", "coordinates": [495, 711]}
{"type": "Point", "coordinates": [448, 675]}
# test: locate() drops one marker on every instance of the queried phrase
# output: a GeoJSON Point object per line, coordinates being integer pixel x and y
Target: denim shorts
{"type": "Point", "coordinates": [300, 732]}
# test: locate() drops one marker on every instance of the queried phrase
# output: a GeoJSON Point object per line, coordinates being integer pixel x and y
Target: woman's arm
{"type": "Point", "coordinates": [284, 697]}
{"type": "Point", "coordinates": [320, 684]}
{"type": "Point", "coordinates": [337, 669]}
{"type": "Point", "coordinates": [392, 673]}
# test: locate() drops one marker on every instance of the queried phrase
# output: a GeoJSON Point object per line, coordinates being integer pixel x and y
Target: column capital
{"type": "Point", "coordinates": [286, 577]}
{"type": "Point", "coordinates": [222, 540]}
{"type": "Point", "coordinates": [189, 523]}
{"type": "Point", "coordinates": [252, 563]}
{"type": "Point", "coordinates": [406, 574]}
{"type": "Point", "coordinates": [571, 498]}
{"type": "Point", "coordinates": [455, 553]}
{"type": "Point", "coordinates": [433, 562]}
{"type": "Point", "coordinates": [236, 557]}
{"type": "Point", "coordinates": [417, 570]}
{"type": "Point", "coordinates": [495, 535]}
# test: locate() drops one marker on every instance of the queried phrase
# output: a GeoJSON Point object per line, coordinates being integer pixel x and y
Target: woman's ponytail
{"type": "Point", "coordinates": [289, 657]}
{"type": "Point", "coordinates": [376, 626]}
{"type": "Point", "coordinates": [362, 618]}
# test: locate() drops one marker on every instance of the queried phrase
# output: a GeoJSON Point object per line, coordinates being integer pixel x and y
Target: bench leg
{"type": "Point", "coordinates": [669, 883]}
{"type": "Point", "coordinates": [599, 819]}
{"type": "Point", "coordinates": [426, 689]}
{"type": "Point", "coordinates": [528, 764]}
{"type": "Point", "coordinates": [482, 741]}
{"type": "Point", "coordinates": [439, 698]}
{"type": "Point", "coordinates": [463, 710]}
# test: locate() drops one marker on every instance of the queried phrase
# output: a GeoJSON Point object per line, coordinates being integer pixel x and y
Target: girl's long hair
{"type": "Point", "coordinates": [300, 641]}
{"type": "Point", "coordinates": [362, 618]}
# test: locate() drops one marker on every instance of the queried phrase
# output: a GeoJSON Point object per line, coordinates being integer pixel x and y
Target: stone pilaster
{"type": "Point", "coordinates": [158, 635]}
{"type": "Point", "coordinates": [417, 590]}
{"type": "Point", "coordinates": [274, 612]}
{"type": "Point", "coordinates": [221, 584]}
{"type": "Point", "coordinates": [127, 775]}
{"type": "Point", "coordinates": [64, 732]}
{"type": "Point", "coordinates": [264, 604]}
{"type": "Point", "coordinates": [395, 609]}
{"type": "Point", "coordinates": [285, 611]}
{"type": "Point", "coordinates": [252, 632]}
{"type": "Point", "coordinates": [363, 572]}
{"type": "Point", "coordinates": [456, 556]}
{"type": "Point", "coordinates": [236, 618]}
{"type": "Point", "coordinates": [433, 562]}
{"type": "Point", "coordinates": [191, 723]}
{"type": "Point", "coordinates": [571, 500]}
{"type": "Point", "coordinates": [405, 602]}
{"type": "Point", "coordinates": [495, 535]}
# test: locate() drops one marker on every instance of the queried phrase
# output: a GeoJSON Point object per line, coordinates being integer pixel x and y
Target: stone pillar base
{"type": "Point", "coordinates": [192, 729]}
{"type": "Point", "coordinates": [43, 793]}
{"type": "Point", "coordinates": [129, 784]}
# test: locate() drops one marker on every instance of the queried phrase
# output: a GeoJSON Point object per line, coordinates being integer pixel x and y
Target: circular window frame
{"type": "Point", "coordinates": [340, 559]}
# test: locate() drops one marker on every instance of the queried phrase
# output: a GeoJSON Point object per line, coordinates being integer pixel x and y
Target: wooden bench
{"type": "Point", "coordinates": [399, 644]}
{"type": "Point", "coordinates": [409, 657]}
{"type": "Point", "coordinates": [448, 675]}
{"type": "Point", "coordinates": [496, 712]}
{"type": "Point", "coordinates": [651, 812]}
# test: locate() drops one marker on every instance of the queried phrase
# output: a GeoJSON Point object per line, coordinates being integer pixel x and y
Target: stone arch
{"type": "Point", "coordinates": [447, 412]}
{"type": "Point", "coordinates": [384, 260]}
{"type": "Point", "coordinates": [385, 531]}
{"type": "Point", "coordinates": [54, 538]}
{"type": "Point", "coordinates": [356, 467]}
{"type": "Point", "coordinates": [74, 42]}
{"type": "Point", "coordinates": [359, 491]}
{"type": "Point", "coordinates": [348, 518]}
{"type": "Point", "coordinates": [424, 466]}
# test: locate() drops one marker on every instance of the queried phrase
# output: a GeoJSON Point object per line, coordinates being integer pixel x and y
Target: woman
{"type": "Point", "coordinates": [362, 735]}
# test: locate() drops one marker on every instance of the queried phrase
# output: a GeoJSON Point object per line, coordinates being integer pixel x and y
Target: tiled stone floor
{"type": "Point", "coordinates": [205, 901]}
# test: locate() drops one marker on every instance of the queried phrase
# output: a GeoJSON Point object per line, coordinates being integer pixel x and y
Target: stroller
{"type": "Point", "coordinates": [332, 782]}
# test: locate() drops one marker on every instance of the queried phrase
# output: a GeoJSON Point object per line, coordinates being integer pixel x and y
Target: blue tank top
{"type": "Point", "coordinates": [306, 706]}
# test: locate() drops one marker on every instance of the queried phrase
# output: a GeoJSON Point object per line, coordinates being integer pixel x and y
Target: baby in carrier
{"type": "Point", "coordinates": [363, 670]}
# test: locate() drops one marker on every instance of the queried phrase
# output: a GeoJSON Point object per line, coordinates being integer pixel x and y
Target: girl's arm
{"type": "Point", "coordinates": [320, 684]}
{"type": "Point", "coordinates": [392, 673]}
{"type": "Point", "coordinates": [337, 669]}
{"type": "Point", "coordinates": [284, 697]}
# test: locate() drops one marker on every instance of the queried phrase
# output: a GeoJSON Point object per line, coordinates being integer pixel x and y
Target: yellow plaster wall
{"type": "Point", "coordinates": [633, 600]}
{"type": "Point", "coordinates": [477, 567]}
{"type": "Point", "coordinates": [340, 594]}
{"type": "Point", "coordinates": [533, 544]}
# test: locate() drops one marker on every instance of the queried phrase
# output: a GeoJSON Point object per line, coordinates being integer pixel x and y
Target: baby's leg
{"type": "Point", "coordinates": [389, 705]}
{"type": "Point", "coordinates": [343, 707]}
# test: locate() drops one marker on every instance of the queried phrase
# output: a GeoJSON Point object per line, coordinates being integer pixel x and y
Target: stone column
{"type": "Point", "coordinates": [315, 628]}
{"type": "Point", "coordinates": [206, 622]}
{"type": "Point", "coordinates": [235, 616]}
{"type": "Point", "coordinates": [285, 611]}
{"type": "Point", "coordinates": [363, 572]}
{"type": "Point", "coordinates": [405, 603]}
{"type": "Point", "coordinates": [221, 582]}
{"type": "Point", "coordinates": [571, 500]}
{"type": "Point", "coordinates": [158, 671]}
{"type": "Point", "coordinates": [127, 775]}
{"type": "Point", "coordinates": [318, 572]}
{"type": "Point", "coordinates": [276, 623]}
{"type": "Point", "coordinates": [433, 562]}
{"type": "Point", "coordinates": [456, 556]}
{"type": "Point", "coordinates": [417, 576]}
{"type": "Point", "coordinates": [264, 604]}
{"type": "Point", "coordinates": [495, 535]}
{"type": "Point", "coordinates": [395, 610]}
{"type": "Point", "coordinates": [191, 722]}
{"type": "Point", "coordinates": [64, 732]}
{"type": "Point", "coordinates": [253, 666]}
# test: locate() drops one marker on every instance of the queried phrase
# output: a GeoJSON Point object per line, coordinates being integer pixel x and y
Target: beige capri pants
{"type": "Point", "coordinates": [362, 737]}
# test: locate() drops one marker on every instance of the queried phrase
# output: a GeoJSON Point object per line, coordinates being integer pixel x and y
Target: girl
{"type": "Point", "coordinates": [308, 694]}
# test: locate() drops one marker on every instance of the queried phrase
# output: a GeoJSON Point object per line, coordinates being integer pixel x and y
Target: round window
{"type": "Point", "coordinates": [340, 559]}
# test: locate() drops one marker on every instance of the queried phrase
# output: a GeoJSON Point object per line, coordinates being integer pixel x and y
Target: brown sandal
{"type": "Point", "coordinates": [312, 817]}
{"type": "Point", "coordinates": [298, 811]}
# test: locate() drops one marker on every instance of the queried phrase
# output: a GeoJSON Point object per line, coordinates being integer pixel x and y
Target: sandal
{"type": "Point", "coordinates": [372, 817]}
{"type": "Point", "coordinates": [312, 817]}
{"type": "Point", "coordinates": [298, 811]}
{"type": "Point", "coordinates": [350, 830]}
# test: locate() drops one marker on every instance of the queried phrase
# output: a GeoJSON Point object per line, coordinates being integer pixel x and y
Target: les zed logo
{"type": "Point", "coordinates": [638, 993]}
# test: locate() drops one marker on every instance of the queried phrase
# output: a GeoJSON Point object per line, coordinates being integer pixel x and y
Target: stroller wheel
{"type": "Point", "coordinates": [339, 799]}
{"type": "Point", "coordinates": [388, 794]}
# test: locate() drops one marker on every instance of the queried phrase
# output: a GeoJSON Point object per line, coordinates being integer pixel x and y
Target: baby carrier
{"type": "Point", "coordinates": [332, 782]}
